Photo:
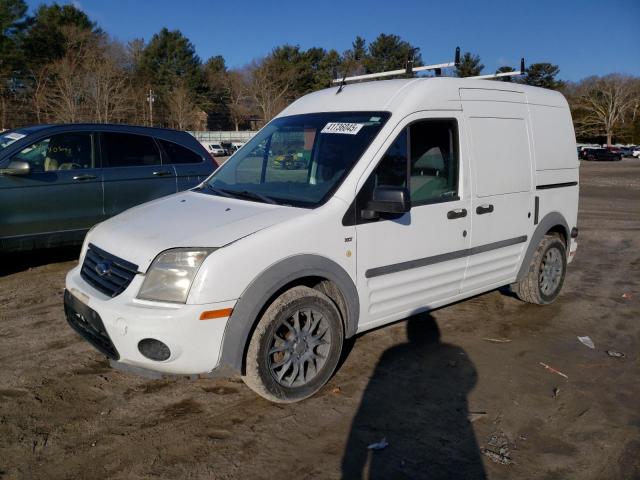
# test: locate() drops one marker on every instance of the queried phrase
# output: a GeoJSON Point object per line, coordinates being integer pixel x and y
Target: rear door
{"type": "Point", "coordinates": [60, 198]}
{"type": "Point", "coordinates": [191, 167]}
{"type": "Point", "coordinates": [132, 171]}
{"type": "Point", "coordinates": [498, 133]}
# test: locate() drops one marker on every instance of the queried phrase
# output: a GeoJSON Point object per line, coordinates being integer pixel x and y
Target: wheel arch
{"type": "Point", "coordinates": [311, 270]}
{"type": "Point", "coordinates": [553, 222]}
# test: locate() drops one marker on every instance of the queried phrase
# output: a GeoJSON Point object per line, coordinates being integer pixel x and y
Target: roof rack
{"type": "Point", "coordinates": [409, 70]}
{"type": "Point", "coordinates": [514, 73]}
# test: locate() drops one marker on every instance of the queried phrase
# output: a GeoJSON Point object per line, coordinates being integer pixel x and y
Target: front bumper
{"type": "Point", "coordinates": [115, 326]}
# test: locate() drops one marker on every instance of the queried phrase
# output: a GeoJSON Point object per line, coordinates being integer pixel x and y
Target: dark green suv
{"type": "Point", "coordinates": [57, 181]}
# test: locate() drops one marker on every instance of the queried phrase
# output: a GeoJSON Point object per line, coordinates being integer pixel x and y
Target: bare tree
{"type": "Point", "coordinates": [182, 111]}
{"type": "Point", "coordinates": [3, 112]}
{"type": "Point", "coordinates": [269, 86]}
{"type": "Point", "coordinates": [107, 85]}
{"type": "Point", "coordinates": [237, 89]}
{"type": "Point", "coordinates": [601, 104]}
{"type": "Point", "coordinates": [66, 92]}
{"type": "Point", "coordinates": [66, 95]}
{"type": "Point", "coordinates": [39, 92]}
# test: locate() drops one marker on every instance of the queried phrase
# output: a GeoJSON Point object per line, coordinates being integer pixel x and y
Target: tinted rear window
{"type": "Point", "coordinates": [179, 154]}
{"type": "Point", "coordinates": [126, 150]}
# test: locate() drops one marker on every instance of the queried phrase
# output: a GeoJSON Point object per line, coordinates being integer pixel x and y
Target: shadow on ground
{"type": "Point", "coordinates": [20, 261]}
{"type": "Point", "coordinates": [416, 400]}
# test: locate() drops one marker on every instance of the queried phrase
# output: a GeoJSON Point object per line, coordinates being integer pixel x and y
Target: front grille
{"type": "Point", "coordinates": [89, 325]}
{"type": "Point", "coordinates": [107, 273]}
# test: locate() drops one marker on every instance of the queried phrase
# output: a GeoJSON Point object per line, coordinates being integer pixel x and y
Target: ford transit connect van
{"type": "Point", "coordinates": [354, 208]}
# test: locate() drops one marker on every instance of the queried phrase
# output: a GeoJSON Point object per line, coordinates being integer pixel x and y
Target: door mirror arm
{"type": "Point", "coordinates": [16, 167]}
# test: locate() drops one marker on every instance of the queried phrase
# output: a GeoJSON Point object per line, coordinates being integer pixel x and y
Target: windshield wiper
{"type": "Point", "coordinates": [254, 196]}
{"type": "Point", "coordinates": [243, 194]}
{"type": "Point", "coordinates": [218, 191]}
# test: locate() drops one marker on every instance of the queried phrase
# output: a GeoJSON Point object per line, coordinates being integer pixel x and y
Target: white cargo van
{"type": "Point", "coordinates": [356, 207]}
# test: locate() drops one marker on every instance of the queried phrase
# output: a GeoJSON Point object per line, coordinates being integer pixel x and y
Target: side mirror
{"type": "Point", "coordinates": [389, 200]}
{"type": "Point", "coordinates": [16, 167]}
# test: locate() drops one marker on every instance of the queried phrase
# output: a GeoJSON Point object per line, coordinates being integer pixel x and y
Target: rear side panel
{"type": "Point", "coordinates": [497, 128]}
{"type": "Point", "coordinates": [556, 164]}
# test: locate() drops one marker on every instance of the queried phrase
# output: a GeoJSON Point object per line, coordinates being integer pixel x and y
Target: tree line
{"type": "Point", "coordinates": [58, 65]}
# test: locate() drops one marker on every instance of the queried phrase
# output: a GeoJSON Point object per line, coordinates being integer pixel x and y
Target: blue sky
{"type": "Point", "coordinates": [586, 37]}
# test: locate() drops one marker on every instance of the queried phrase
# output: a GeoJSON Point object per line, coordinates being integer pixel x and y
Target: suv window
{"type": "Point", "coordinates": [127, 150]}
{"type": "Point", "coordinates": [179, 154]}
{"type": "Point", "coordinates": [66, 151]}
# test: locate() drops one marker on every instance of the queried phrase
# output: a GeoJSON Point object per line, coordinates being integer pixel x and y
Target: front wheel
{"type": "Point", "coordinates": [295, 347]}
{"type": "Point", "coordinates": [546, 272]}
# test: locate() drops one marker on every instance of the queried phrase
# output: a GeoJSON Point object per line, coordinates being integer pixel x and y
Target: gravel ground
{"type": "Point", "coordinates": [450, 403]}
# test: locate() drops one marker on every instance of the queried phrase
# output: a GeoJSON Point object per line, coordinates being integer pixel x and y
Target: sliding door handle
{"type": "Point", "coordinates": [482, 209]}
{"type": "Point", "coordinates": [162, 173]}
{"type": "Point", "coordinates": [84, 177]}
{"type": "Point", "coordinates": [457, 213]}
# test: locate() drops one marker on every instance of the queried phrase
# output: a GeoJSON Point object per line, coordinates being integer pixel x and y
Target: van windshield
{"type": "Point", "coordinates": [299, 160]}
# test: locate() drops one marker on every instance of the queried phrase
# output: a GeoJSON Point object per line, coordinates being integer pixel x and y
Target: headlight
{"type": "Point", "coordinates": [170, 275]}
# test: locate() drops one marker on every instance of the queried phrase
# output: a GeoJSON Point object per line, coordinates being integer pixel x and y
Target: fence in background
{"type": "Point", "coordinates": [221, 136]}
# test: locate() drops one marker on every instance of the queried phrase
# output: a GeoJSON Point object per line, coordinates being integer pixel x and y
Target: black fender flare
{"type": "Point", "coordinates": [550, 220]}
{"type": "Point", "coordinates": [248, 307]}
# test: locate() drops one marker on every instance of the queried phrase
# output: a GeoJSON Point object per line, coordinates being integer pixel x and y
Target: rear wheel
{"type": "Point", "coordinates": [545, 276]}
{"type": "Point", "coordinates": [295, 347]}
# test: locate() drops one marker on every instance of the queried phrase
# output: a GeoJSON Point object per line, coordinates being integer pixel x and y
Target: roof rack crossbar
{"type": "Point", "coordinates": [391, 73]}
{"type": "Point", "coordinates": [515, 73]}
{"type": "Point", "coordinates": [410, 69]}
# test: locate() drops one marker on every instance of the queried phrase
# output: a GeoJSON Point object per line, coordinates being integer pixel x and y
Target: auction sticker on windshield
{"type": "Point", "coordinates": [342, 127]}
{"type": "Point", "coordinates": [15, 136]}
{"type": "Point", "coordinates": [8, 138]}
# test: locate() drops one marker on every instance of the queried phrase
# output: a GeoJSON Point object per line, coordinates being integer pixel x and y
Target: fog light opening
{"type": "Point", "coordinates": [154, 349]}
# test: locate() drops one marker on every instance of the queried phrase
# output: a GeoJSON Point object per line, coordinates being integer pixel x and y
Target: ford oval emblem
{"type": "Point", "coordinates": [103, 268]}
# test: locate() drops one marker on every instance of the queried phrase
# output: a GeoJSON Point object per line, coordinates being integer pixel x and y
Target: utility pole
{"type": "Point", "coordinates": [151, 98]}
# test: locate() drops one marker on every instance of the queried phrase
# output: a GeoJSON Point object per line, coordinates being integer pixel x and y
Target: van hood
{"type": "Point", "coordinates": [187, 219]}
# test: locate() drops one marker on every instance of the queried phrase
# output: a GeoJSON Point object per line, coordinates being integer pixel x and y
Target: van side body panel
{"type": "Point", "coordinates": [499, 136]}
{"type": "Point", "coordinates": [556, 169]}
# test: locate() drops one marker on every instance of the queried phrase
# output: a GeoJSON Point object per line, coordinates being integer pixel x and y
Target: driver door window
{"type": "Point", "coordinates": [433, 162]}
{"type": "Point", "coordinates": [66, 151]}
{"type": "Point", "coordinates": [423, 158]}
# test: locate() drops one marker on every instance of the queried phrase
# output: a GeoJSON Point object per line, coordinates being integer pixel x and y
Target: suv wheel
{"type": "Point", "coordinates": [295, 347]}
{"type": "Point", "coordinates": [546, 272]}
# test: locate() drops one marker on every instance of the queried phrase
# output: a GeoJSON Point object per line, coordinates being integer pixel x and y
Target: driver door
{"type": "Point", "coordinates": [61, 196]}
{"type": "Point", "coordinates": [414, 261]}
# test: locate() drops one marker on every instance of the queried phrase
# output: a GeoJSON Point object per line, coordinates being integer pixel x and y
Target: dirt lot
{"type": "Point", "coordinates": [65, 414]}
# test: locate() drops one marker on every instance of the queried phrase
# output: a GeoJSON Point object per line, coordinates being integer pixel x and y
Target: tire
{"type": "Point", "coordinates": [309, 347]}
{"type": "Point", "coordinates": [546, 272]}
